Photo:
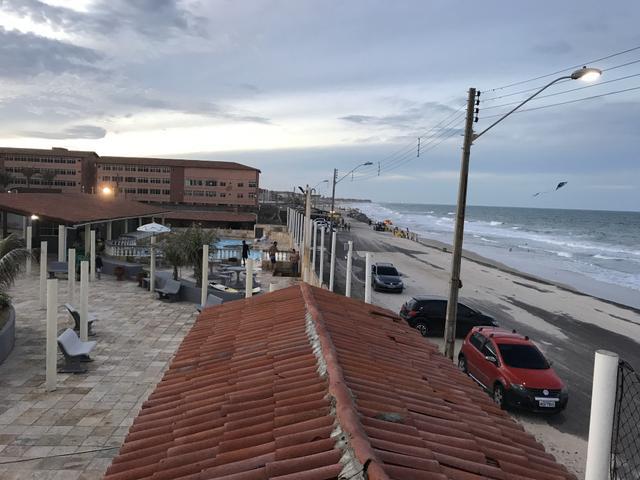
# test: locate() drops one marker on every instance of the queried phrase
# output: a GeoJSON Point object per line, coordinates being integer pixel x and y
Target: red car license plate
{"type": "Point", "coordinates": [547, 403]}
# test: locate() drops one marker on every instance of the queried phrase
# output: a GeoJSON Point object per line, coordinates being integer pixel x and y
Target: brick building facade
{"type": "Point", "coordinates": [153, 180]}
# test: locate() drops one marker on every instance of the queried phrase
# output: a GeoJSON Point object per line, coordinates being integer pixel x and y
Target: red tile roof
{"type": "Point", "coordinates": [209, 216]}
{"type": "Point", "coordinates": [75, 208]}
{"type": "Point", "coordinates": [304, 384]}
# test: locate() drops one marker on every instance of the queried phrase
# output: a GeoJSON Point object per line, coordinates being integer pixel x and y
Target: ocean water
{"type": "Point", "coordinates": [594, 251]}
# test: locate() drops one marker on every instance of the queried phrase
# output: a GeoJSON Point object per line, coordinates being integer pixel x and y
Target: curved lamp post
{"type": "Point", "coordinates": [336, 181]}
{"type": "Point", "coordinates": [584, 73]}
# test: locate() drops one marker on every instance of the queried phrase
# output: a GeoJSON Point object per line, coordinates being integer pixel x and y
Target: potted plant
{"type": "Point", "coordinates": [119, 272]}
{"type": "Point", "coordinates": [12, 254]}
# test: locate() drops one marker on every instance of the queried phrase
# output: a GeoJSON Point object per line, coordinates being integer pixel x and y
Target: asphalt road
{"type": "Point", "coordinates": [572, 357]}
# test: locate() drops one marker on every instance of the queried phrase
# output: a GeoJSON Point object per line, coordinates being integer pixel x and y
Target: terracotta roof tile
{"type": "Point", "coordinates": [282, 387]}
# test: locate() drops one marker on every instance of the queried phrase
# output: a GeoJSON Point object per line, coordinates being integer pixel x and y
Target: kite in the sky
{"type": "Point", "coordinates": [558, 187]}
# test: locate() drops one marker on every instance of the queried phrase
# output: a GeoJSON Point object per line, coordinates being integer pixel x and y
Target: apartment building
{"type": "Point", "coordinates": [58, 169]}
{"type": "Point", "coordinates": [227, 185]}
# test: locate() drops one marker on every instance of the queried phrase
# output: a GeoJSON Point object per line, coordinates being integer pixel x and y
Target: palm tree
{"type": "Point", "coordinates": [174, 252]}
{"type": "Point", "coordinates": [12, 254]}
{"type": "Point", "coordinates": [6, 179]}
{"type": "Point", "coordinates": [185, 248]}
{"type": "Point", "coordinates": [28, 172]}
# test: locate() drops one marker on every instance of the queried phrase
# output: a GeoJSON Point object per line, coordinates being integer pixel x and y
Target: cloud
{"type": "Point", "coordinates": [416, 114]}
{"type": "Point", "coordinates": [26, 55]}
{"type": "Point", "coordinates": [557, 47]}
{"type": "Point", "coordinates": [79, 131]}
{"type": "Point", "coordinates": [154, 19]}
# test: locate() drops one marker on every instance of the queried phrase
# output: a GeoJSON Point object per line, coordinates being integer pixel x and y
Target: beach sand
{"type": "Point", "coordinates": [567, 326]}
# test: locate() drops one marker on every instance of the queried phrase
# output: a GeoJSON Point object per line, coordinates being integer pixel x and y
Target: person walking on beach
{"type": "Point", "coordinates": [273, 249]}
{"type": "Point", "coordinates": [98, 266]}
{"type": "Point", "coordinates": [295, 261]}
{"type": "Point", "coordinates": [245, 252]}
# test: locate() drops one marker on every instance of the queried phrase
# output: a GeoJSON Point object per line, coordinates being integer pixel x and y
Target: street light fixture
{"type": "Point", "coordinates": [584, 73]}
{"type": "Point", "coordinates": [336, 181]}
{"type": "Point", "coordinates": [107, 190]}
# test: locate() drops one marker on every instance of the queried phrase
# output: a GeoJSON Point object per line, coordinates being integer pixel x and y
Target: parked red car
{"type": "Point", "coordinates": [512, 369]}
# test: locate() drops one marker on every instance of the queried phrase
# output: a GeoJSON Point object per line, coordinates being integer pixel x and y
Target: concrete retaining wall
{"type": "Point", "coordinates": [8, 335]}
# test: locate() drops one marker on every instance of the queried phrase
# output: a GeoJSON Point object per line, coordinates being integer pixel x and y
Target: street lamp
{"type": "Point", "coordinates": [107, 190]}
{"type": "Point", "coordinates": [584, 73]}
{"type": "Point", "coordinates": [335, 181]}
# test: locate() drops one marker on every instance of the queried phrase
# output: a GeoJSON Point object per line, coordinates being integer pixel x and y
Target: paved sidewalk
{"type": "Point", "coordinates": [137, 335]}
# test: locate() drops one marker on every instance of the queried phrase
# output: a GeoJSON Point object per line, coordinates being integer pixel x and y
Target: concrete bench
{"type": "Point", "coordinates": [75, 314]}
{"type": "Point", "coordinates": [75, 352]}
{"type": "Point", "coordinates": [212, 300]}
{"type": "Point", "coordinates": [170, 290]}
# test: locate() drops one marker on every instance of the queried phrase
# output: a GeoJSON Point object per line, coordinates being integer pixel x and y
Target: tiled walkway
{"type": "Point", "coordinates": [136, 336]}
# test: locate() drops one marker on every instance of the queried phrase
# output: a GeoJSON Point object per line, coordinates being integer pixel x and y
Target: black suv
{"type": "Point", "coordinates": [385, 278]}
{"type": "Point", "coordinates": [428, 314]}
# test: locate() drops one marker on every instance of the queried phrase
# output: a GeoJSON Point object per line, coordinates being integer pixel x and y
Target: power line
{"type": "Point", "coordinates": [568, 101]}
{"type": "Point", "coordinates": [565, 69]}
{"type": "Point", "coordinates": [565, 91]}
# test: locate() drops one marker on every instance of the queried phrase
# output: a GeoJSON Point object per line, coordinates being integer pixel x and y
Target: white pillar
{"type": "Point", "coordinates": [24, 226]}
{"type": "Point", "coordinates": [205, 275]}
{"type": "Point", "coordinates": [603, 399]}
{"type": "Point", "coordinates": [289, 219]}
{"type": "Point", "coordinates": [321, 274]}
{"type": "Point", "coordinates": [347, 290]}
{"type": "Point", "coordinates": [272, 287]}
{"type": "Point", "coordinates": [71, 274]}
{"type": "Point", "coordinates": [84, 300]}
{"type": "Point", "coordinates": [52, 333]}
{"type": "Point", "coordinates": [43, 274]}
{"type": "Point", "coordinates": [93, 255]}
{"type": "Point", "coordinates": [62, 233]}
{"type": "Point", "coordinates": [248, 288]}
{"type": "Point", "coordinates": [332, 271]}
{"type": "Point", "coordinates": [367, 279]}
{"type": "Point", "coordinates": [152, 265]}
{"type": "Point", "coordinates": [29, 235]}
{"type": "Point", "coordinates": [126, 226]}
{"type": "Point", "coordinates": [139, 221]}
{"type": "Point", "coordinates": [87, 240]}
{"type": "Point", "coordinates": [109, 230]}
{"type": "Point", "coordinates": [313, 253]}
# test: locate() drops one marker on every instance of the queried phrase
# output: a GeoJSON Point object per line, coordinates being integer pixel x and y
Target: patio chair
{"type": "Point", "coordinates": [211, 301]}
{"type": "Point", "coordinates": [75, 314]}
{"type": "Point", "coordinates": [75, 352]}
{"type": "Point", "coordinates": [170, 290]}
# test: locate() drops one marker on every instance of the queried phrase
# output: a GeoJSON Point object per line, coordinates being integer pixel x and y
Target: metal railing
{"type": "Point", "coordinates": [625, 441]}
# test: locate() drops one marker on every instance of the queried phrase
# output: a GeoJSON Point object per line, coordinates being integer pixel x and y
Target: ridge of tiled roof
{"type": "Point", "coordinates": [305, 384]}
{"type": "Point", "coordinates": [175, 162]}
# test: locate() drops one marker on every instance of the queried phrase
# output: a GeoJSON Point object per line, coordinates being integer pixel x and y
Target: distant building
{"type": "Point", "coordinates": [227, 185]}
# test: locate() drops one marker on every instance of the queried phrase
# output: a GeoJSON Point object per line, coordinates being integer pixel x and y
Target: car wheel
{"type": "Point", "coordinates": [462, 363]}
{"type": "Point", "coordinates": [422, 328]}
{"type": "Point", "coordinates": [498, 395]}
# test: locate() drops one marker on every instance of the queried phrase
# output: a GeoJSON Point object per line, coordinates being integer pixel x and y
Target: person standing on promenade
{"type": "Point", "coordinates": [245, 252]}
{"type": "Point", "coordinates": [273, 249]}
{"type": "Point", "coordinates": [295, 261]}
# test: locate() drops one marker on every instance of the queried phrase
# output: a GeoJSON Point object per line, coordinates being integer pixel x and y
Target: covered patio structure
{"type": "Point", "coordinates": [69, 218]}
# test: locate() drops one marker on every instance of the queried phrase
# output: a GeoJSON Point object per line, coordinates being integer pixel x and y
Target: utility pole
{"type": "Point", "coordinates": [333, 193]}
{"type": "Point", "coordinates": [306, 266]}
{"type": "Point", "coordinates": [455, 284]}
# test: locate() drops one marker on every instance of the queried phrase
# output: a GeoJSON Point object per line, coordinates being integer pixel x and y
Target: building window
{"type": "Point", "coordinates": [211, 183]}
{"type": "Point", "coordinates": [240, 184]}
{"type": "Point", "coordinates": [211, 194]}
{"type": "Point", "coordinates": [106, 178]}
{"type": "Point", "coordinates": [154, 191]}
{"type": "Point", "coordinates": [222, 194]}
{"type": "Point", "coordinates": [253, 184]}
{"type": "Point", "coordinates": [223, 184]}
{"type": "Point", "coordinates": [143, 191]}
{"type": "Point", "coordinates": [154, 180]}
{"type": "Point", "coordinates": [130, 179]}
{"type": "Point", "coordinates": [143, 180]}
{"type": "Point", "coordinates": [252, 195]}
{"type": "Point", "coordinates": [240, 195]}
{"type": "Point", "coordinates": [166, 192]}
{"type": "Point", "coordinates": [166, 181]}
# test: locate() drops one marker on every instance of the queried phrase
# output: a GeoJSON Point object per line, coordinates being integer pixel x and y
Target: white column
{"type": "Point", "coordinates": [313, 253]}
{"type": "Point", "coordinates": [62, 233]}
{"type": "Point", "coordinates": [29, 235]}
{"type": "Point", "coordinates": [603, 399]}
{"type": "Point", "coordinates": [272, 287]}
{"type": "Point", "coordinates": [126, 226]}
{"type": "Point", "coordinates": [332, 271]}
{"type": "Point", "coordinates": [289, 219]}
{"type": "Point", "coordinates": [52, 332]}
{"type": "Point", "coordinates": [139, 221]}
{"type": "Point", "coordinates": [248, 288]}
{"type": "Point", "coordinates": [43, 274]}
{"type": "Point", "coordinates": [321, 274]}
{"type": "Point", "coordinates": [84, 300]}
{"type": "Point", "coordinates": [87, 240]}
{"type": "Point", "coordinates": [367, 279]}
{"type": "Point", "coordinates": [24, 226]}
{"type": "Point", "coordinates": [205, 275]}
{"type": "Point", "coordinates": [93, 255]}
{"type": "Point", "coordinates": [152, 265]}
{"type": "Point", "coordinates": [109, 230]}
{"type": "Point", "coordinates": [71, 274]}
{"type": "Point", "coordinates": [347, 290]}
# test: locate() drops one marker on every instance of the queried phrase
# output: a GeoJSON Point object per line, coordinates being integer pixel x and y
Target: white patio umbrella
{"type": "Point", "coordinates": [154, 229]}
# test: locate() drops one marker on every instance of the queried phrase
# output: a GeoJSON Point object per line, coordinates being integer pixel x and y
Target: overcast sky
{"type": "Point", "coordinates": [300, 87]}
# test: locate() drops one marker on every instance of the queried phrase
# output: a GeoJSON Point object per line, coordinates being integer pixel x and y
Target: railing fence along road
{"type": "Point", "coordinates": [625, 442]}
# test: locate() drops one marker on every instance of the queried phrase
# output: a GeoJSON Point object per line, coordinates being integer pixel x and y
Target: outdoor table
{"type": "Point", "coordinates": [57, 267]}
{"type": "Point", "coordinates": [237, 270]}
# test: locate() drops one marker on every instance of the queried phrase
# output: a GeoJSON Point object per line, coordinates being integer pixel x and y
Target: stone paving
{"type": "Point", "coordinates": [137, 335]}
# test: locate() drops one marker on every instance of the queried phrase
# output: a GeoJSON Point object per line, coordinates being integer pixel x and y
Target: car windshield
{"type": "Point", "coordinates": [387, 271]}
{"type": "Point", "coordinates": [522, 356]}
